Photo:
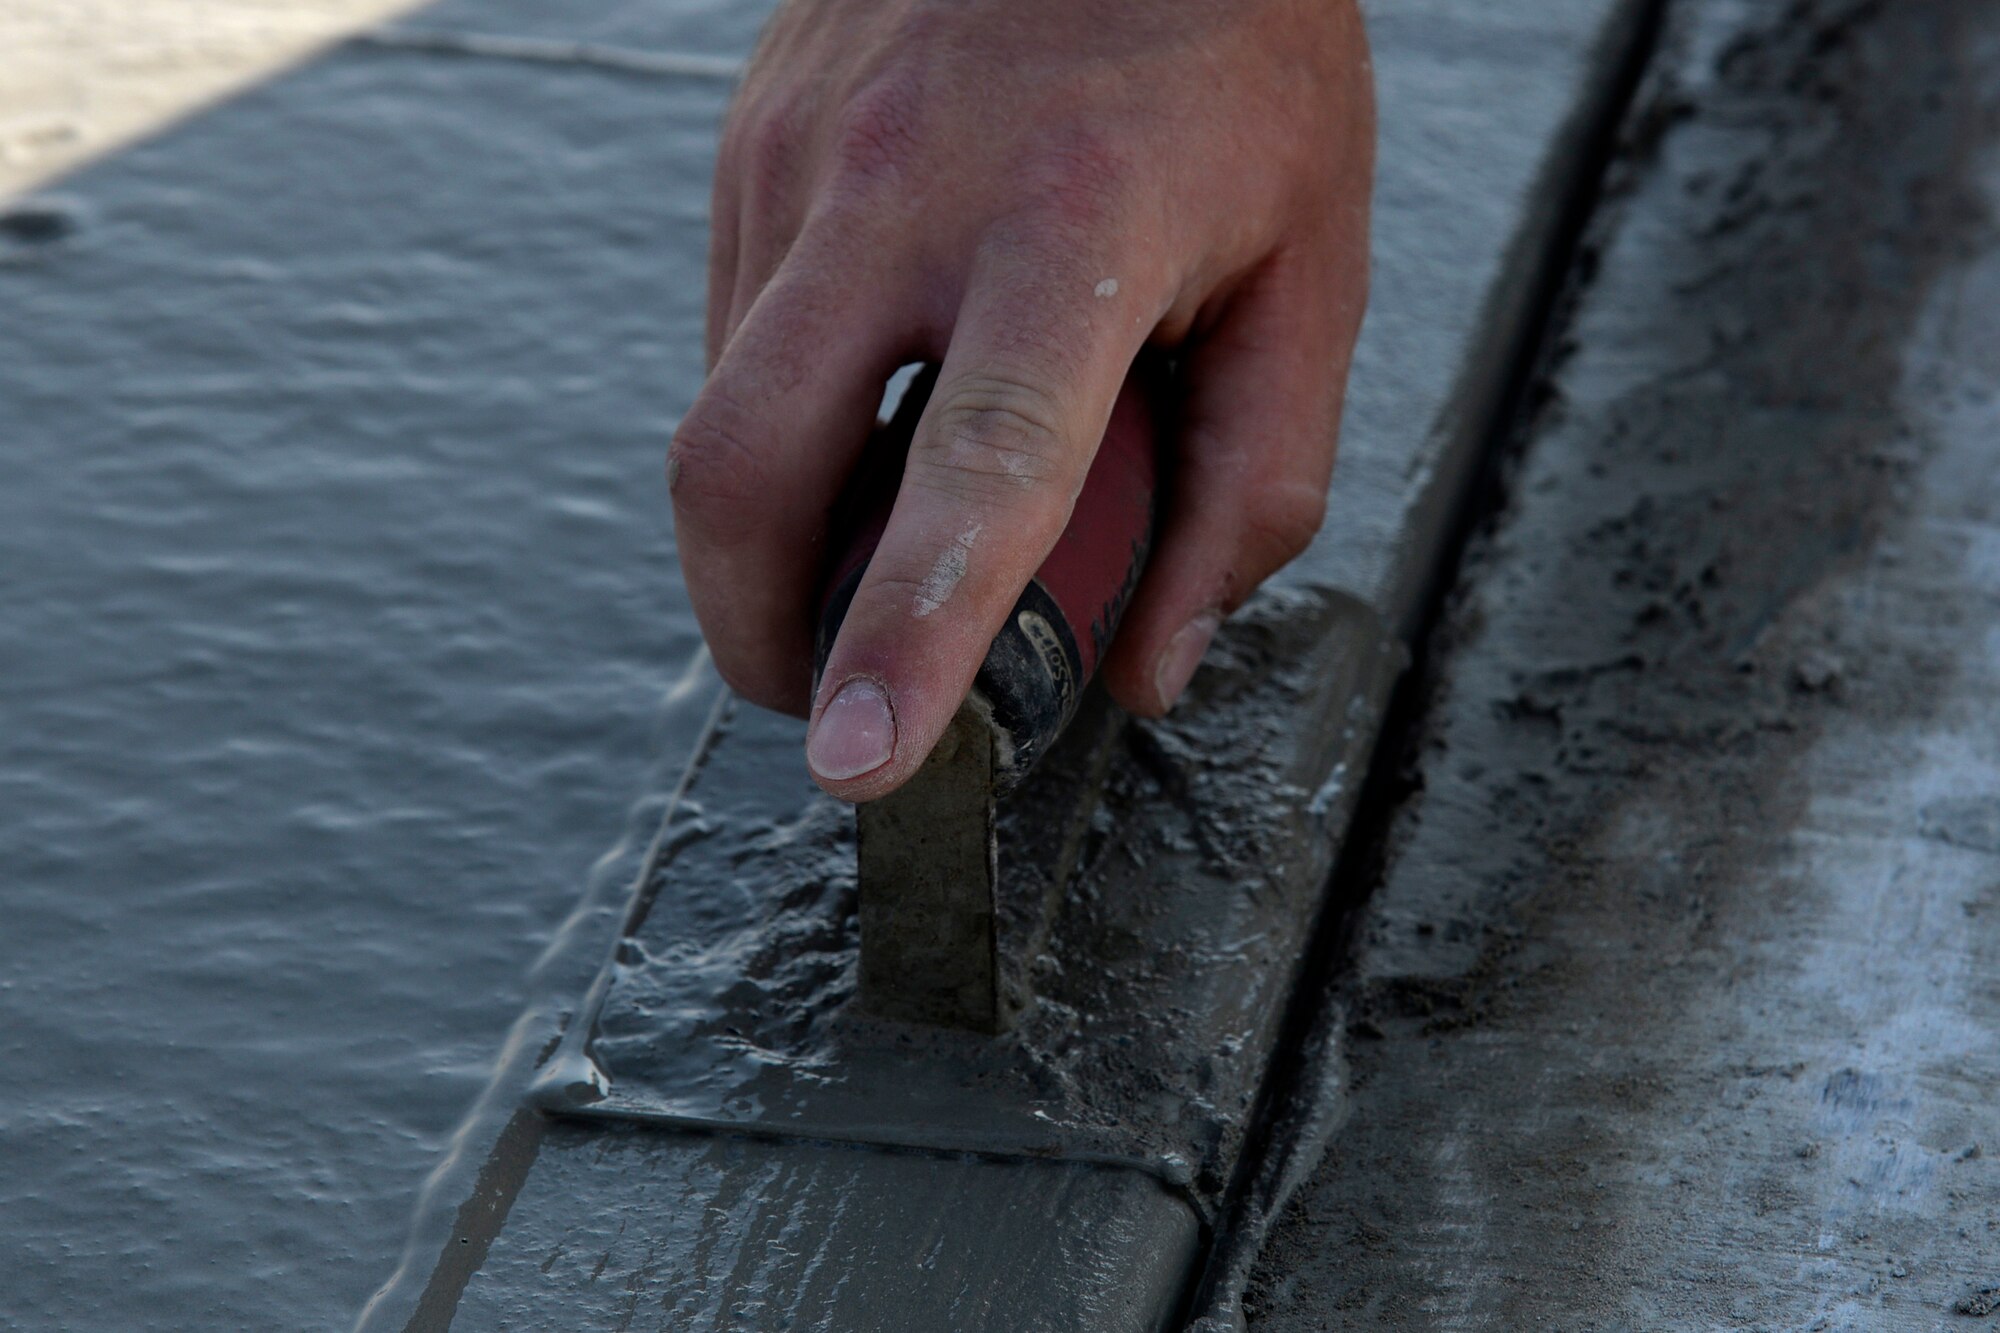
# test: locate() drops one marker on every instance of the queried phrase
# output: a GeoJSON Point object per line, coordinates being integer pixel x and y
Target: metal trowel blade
{"type": "Point", "coordinates": [928, 875]}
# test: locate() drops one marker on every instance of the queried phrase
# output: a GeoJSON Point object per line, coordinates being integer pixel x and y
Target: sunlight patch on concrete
{"type": "Point", "coordinates": [84, 77]}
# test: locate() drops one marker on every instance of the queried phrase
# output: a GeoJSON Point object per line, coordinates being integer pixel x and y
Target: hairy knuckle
{"type": "Point", "coordinates": [993, 435]}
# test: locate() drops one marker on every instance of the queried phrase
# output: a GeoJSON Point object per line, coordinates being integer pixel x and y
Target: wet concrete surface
{"type": "Point", "coordinates": [1742, 568]}
{"type": "Point", "coordinates": [1488, 122]}
{"type": "Point", "coordinates": [1676, 1007]}
{"type": "Point", "coordinates": [1148, 1005]}
{"type": "Point", "coordinates": [724, 1005]}
{"type": "Point", "coordinates": [1103, 1249]}
{"type": "Point", "coordinates": [338, 610]}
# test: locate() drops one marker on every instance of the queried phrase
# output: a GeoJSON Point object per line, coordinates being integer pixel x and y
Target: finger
{"type": "Point", "coordinates": [765, 240]}
{"type": "Point", "coordinates": [760, 457]}
{"type": "Point", "coordinates": [1247, 488]}
{"type": "Point", "coordinates": [723, 229]}
{"type": "Point", "coordinates": [771, 155]}
{"type": "Point", "coordinates": [1042, 343]}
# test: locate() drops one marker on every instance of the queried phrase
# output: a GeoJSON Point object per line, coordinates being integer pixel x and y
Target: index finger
{"type": "Point", "coordinates": [1042, 344]}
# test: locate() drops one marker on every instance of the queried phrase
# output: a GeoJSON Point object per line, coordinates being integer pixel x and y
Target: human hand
{"type": "Point", "coordinates": [1027, 191]}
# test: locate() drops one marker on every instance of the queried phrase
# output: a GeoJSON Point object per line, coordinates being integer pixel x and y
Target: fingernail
{"type": "Point", "coordinates": [855, 734]}
{"type": "Point", "coordinates": [1183, 653]}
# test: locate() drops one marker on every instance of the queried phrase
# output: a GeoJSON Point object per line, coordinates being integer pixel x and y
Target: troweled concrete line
{"type": "Point", "coordinates": [711, 1138]}
{"type": "Point", "coordinates": [1677, 1002]}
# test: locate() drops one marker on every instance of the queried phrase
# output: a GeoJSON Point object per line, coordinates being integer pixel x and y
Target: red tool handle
{"type": "Point", "coordinates": [1051, 644]}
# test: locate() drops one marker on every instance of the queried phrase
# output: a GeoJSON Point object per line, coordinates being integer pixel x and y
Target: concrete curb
{"type": "Point", "coordinates": [1164, 984]}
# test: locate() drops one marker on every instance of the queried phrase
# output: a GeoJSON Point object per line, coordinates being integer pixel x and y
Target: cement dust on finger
{"type": "Point", "coordinates": [945, 574]}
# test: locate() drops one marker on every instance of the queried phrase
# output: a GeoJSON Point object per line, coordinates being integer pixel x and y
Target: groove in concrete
{"type": "Point", "coordinates": [1675, 1007]}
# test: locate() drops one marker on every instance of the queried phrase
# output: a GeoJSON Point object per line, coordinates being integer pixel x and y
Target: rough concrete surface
{"type": "Point", "coordinates": [1678, 1003]}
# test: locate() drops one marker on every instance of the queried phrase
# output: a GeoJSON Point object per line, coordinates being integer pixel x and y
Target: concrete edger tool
{"type": "Point", "coordinates": [929, 867]}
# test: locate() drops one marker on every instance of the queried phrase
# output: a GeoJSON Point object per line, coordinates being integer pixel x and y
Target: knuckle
{"type": "Point", "coordinates": [993, 435]}
{"type": "Point", "coordinates": [774, 129]}
{"type": "Point", "coordinates": [1079, 185]}
{"type": "Point", "coordinates": [877, 137]}
{"type": "Point", "coordinates": [718, 470]}
{"type": "Point", "coordinates": [773, 144]}
{"type": "Point", "coordinates": [893, 588]}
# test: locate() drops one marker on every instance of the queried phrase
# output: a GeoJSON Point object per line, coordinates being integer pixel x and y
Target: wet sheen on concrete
{"type": "Point", "coordinates": [739, 1234]}
{"type": "Point", "coordinates": [337, 611]}
{"type": "Point", "coordinates": [1676, 1007]}
{"type": "Point", "coordinates": [338, 416]}
{"type": "Point", "coordinates": [1166, 979]}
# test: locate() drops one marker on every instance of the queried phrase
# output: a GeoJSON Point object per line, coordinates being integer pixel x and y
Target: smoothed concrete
{"type": "Point", "coordinates": [1486, 116]}
{"type": "Point", "coordinates": [1676, 1007]}
{"type": "Point", "coordinates": [1152, 996]}
{"type": "Point", "coordinates": [642, 1229]}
